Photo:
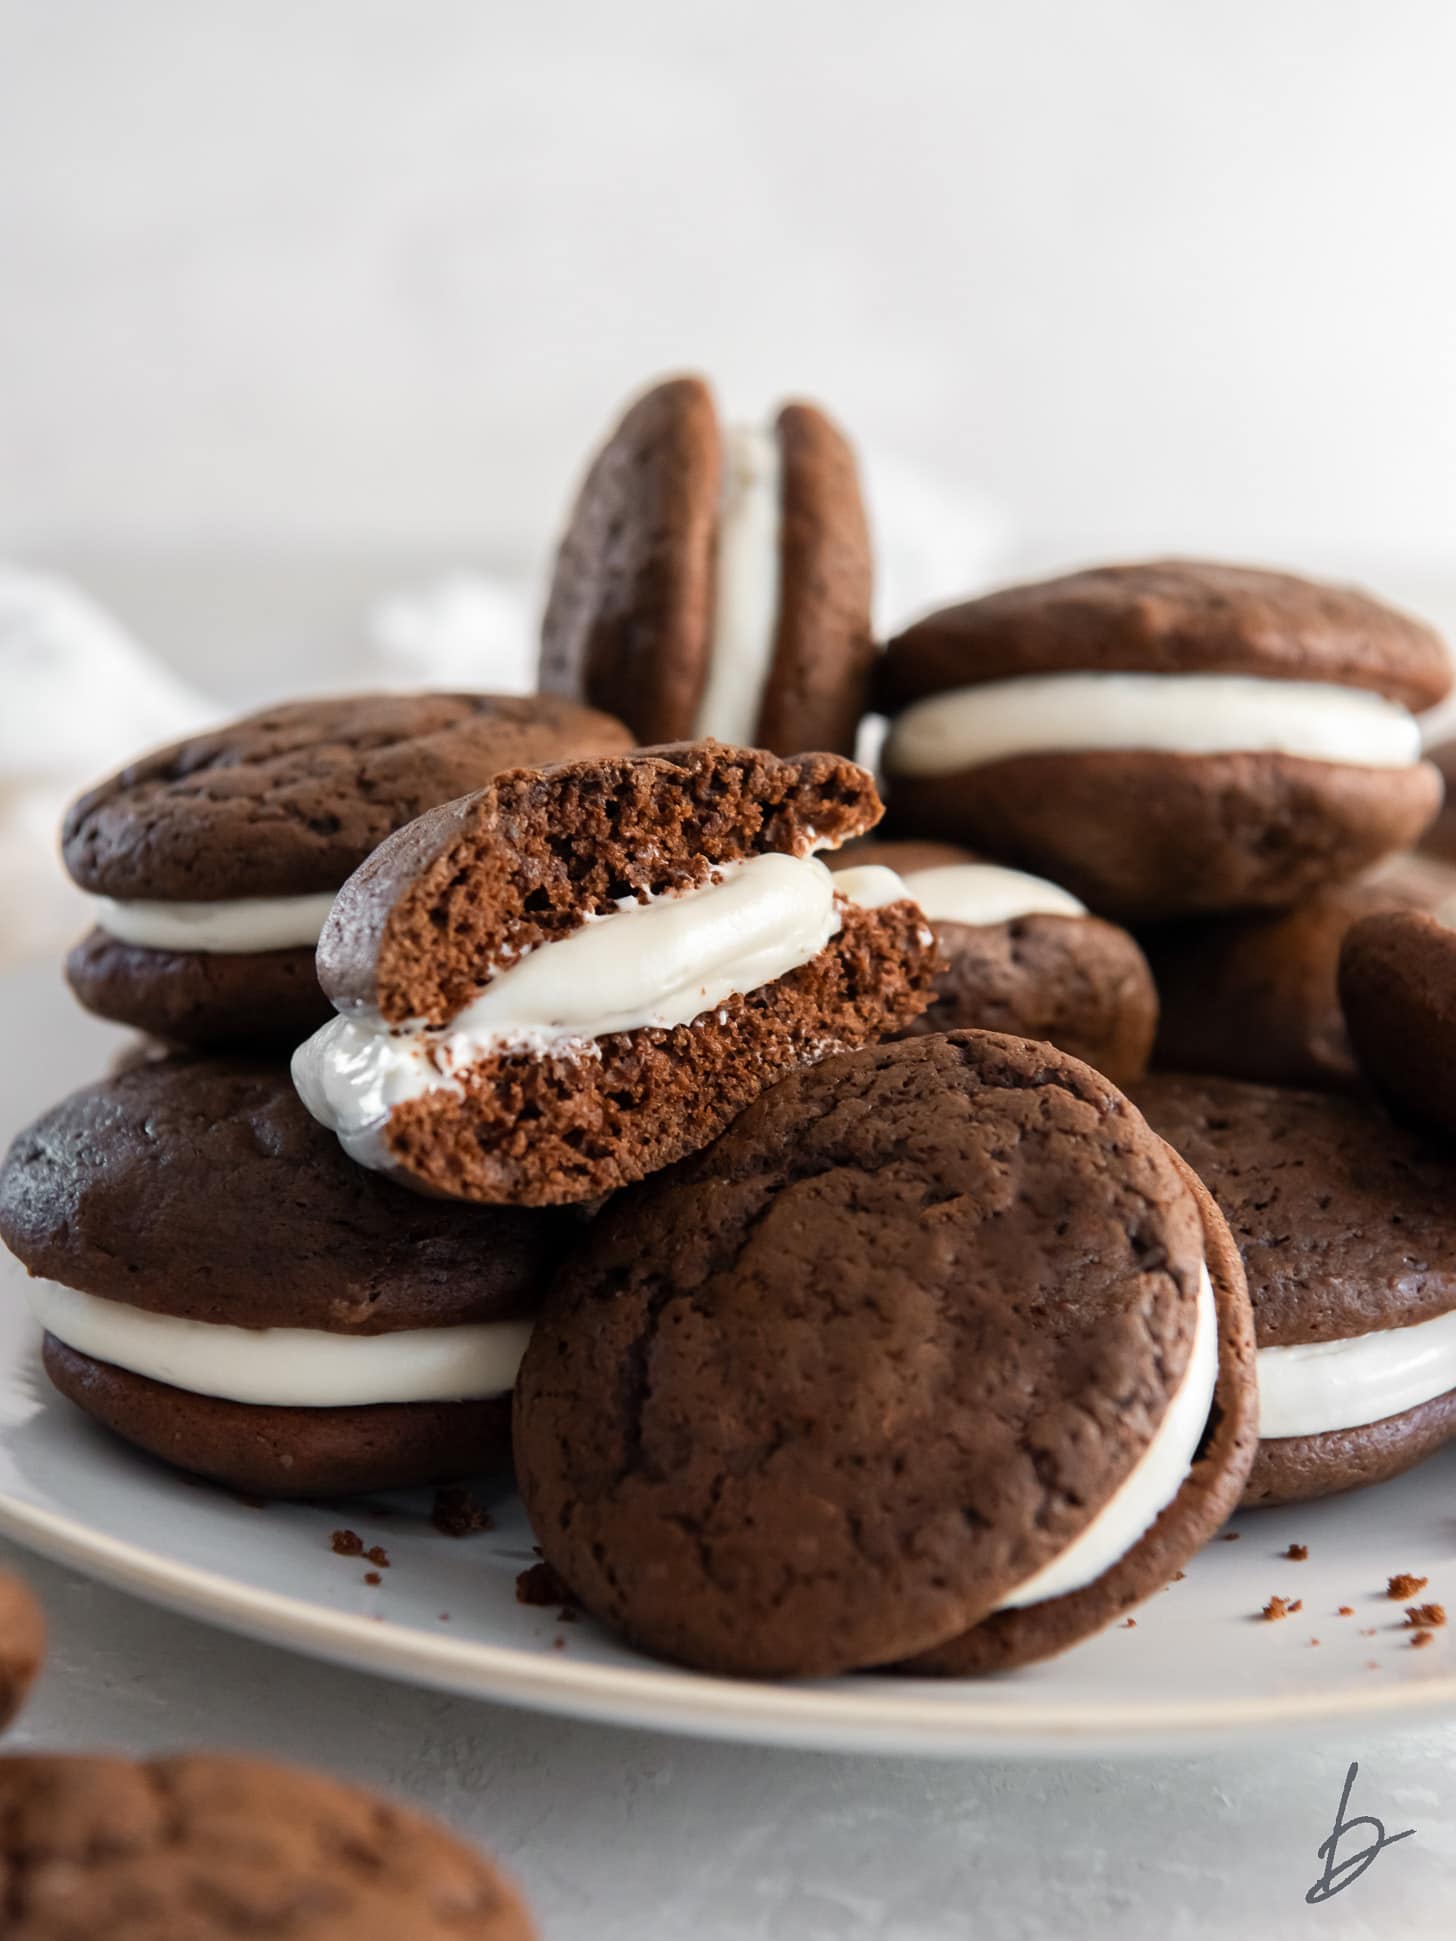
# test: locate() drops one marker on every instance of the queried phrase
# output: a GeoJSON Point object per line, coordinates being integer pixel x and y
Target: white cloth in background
{"type": "Point", "coordinates": [78, 697]}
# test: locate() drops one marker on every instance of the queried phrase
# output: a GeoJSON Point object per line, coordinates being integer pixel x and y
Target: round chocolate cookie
{"type": "Point", "coordinates": [1020, 955]}
{"type": "Point", "coordinates": [215, 1848]}
{"type": "Point", "coordinates": [716, 581]}
{"type": "Point", "coordinates": [570, 980]}
{"type": "Point", "coordinates": [216, 860]}
{"type": "Point", "coordinates": [1398, 989]}
{"type": "Point", "coordinates": [1255, 996]}
{"type": "Point", "coordinates": [1347, 1228]}
{"type": "Point", "coordinates": [923, 1342]}
{"type": "Point", "coordinates": [222, 1287]}
{"type": "Point", "coordinates": [22, 1648]}
{"type": "Point", "coordinates": [1168, 739]}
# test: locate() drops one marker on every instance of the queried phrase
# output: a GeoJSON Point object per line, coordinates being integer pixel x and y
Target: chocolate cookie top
{"type": "Point", "coordinates": [201, 1187]}
{"type": "Point", "coordinates": [629, 624]}
{"type": "Point", "coordinates": [471, 886]}
{"type": "Point", "coordinates": [1346, 1222]}
{"type": "Point", "coordinates": [288, 801]}
{"type": "Point", "coordinates": [22, 1646]}
{"type": "Point", "coordinates": [904, 857]}
{"type": "Point", "coordinates": [218, 1848]}
{"type": "Point", "coordinates": [886, 1349]}
{"type": "Point", "coordinates": [1171, 617]}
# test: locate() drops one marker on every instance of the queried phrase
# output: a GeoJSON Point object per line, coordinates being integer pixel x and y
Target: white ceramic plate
{"type": "Point", "coordinates": [1198, 1665]}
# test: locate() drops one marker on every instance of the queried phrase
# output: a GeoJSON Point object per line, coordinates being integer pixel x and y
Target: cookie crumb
{"type": "Point", "coordinates": [444, 1617]}
{"type": "Point", "coordinates": [1297, 1553]}
{"type": "Point", "coordinates": [1346, 1610]}
{"type": "Point", "coordinates": [372, 1577]}
{"type": "Point", "coordinates": [1372, 1664]}
{"type": "Point", "coordinates": [1296, 1605]}
{"type": "Point", "coordinates": [1404, 1586]}
{"type": "Point", "coordinates": [1129, 1624]}
{"type": "Point", "coordinates": [1178, 1576]}
{"type": "Point", "coordinates": [1275, 1609]}
{"type": "Point", "coordinates": [347, 1543]}
{"type": "Point", "coordinates": [455, 1512]}
{"type": "Point", "coordinates": [1314, 1641]}
{"type": "Point", "coordinates": [539, 1584]}
{"type": "Point", "coordinates": [378, 1555]}
{"type": "Point", "coordinates": [1425, 1617]}
{"type": "Point", "coordinates": [1368, 1634]}
{"type": "Point", "coordinates": [1423, 1637]}
{"type": "Point", "coordinates": [558, 1643]}
{"type": "Point", "coordinates": [1230, 1536]}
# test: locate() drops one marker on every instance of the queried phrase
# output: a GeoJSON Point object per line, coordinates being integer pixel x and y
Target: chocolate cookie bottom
{"type": "Point", "coordinates": [207, 999]}
{"type": "Point", "coordinates": [288, 1451]}
{"type": "Point", "coordinates": [1294, 1469]}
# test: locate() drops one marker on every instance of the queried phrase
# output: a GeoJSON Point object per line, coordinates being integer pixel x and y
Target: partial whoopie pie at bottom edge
{"type": "Point", "coordinates": [22, 1645]}
{"type": "Point", "coordinates": [835, 1329]}
{"type": "Point", "coordinates": [217, 1847]}
{"type": "Point", "coordinates": [1011, 1638]}
{"type": "Point", "coordinates": [266, 1451]}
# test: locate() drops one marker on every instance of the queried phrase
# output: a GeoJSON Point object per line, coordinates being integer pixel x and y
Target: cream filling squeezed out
{"type": "Point", "coordinates": [655, 964]}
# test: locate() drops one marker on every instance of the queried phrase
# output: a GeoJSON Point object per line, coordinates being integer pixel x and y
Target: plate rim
{"type": "Point", "coordinates": [684, 1701]}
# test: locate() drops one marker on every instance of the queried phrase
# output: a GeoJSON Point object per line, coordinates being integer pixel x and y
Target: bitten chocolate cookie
{"type": "Point", "coordinates": [571, 979]}
{"type": "Point", "coordinates": [716, 581]}
{"type": "Point", "coordinates": [221, 1286]}
{"type": "Point", "coordinates": [1398, 989]}
{"type": "Point", "coordinates": [22, 1648]}
{"type": "Point", "coordinates": [1023, 956]}
{"type": "Point", "coordinates": [937, 1339]}
{"type": "Point", "coordinates": [213, 1848]}
{"type": "Point", "coordinates": [215, 861]}
{"type": "Point", "coordinates": [1255, 996]}
{"type": "Point", "coordinates": [1347, 1228]}
{"type": "Point", "coordinates": [1167, 739]}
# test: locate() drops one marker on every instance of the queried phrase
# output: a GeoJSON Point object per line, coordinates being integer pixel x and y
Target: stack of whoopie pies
{"type": "Point", "coordinates": [793, 1204]}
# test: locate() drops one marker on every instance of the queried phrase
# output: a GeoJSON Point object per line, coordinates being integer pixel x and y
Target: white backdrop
{"type": "Point", "coordinates": [341, 271]}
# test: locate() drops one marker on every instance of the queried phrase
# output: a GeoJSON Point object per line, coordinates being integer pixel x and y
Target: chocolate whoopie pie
{"type": "Point", "coordinates": [221, 1286]}
{"type": "Point", "coordinates": [574, 977]}
{"type": "Point", "coordinates": [937, 1350]}
{"type": "Point", "coordinates": [1166, 739]}
{"type": "Point", "coordinates": [22, 1648]}
{"type": "Point", "coordinates": [1398, 989]}
{"type": "Point", "coordinates": [1255, 996]}
{"type": "Point", "coordinates": [1023, 956]}
{"type": "Point", "coordinates": [216, 860]}
{"type": "Point", "coordinates": [1347, 1228]}
{"type": "Point", "coordinates": [207, 1847]}
{"type": "Point", "coordinates": [716, 581]}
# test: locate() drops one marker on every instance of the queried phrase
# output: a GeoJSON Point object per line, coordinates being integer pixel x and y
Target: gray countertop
{"type": "Point", "coordinates": [634, 1836]}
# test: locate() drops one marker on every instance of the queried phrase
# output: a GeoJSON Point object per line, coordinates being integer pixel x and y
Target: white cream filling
{"type": "Point", "coordinates": [982, 893]}
{"type": "Point", "coordinates": [746, 599]}
{"type": "Point", "coordinates": [1312, 1388]}
{"type": "Point", "coordinates": [287, 1367]}
{"type": "Point", "coordinates": [1155, 1479]}
{"type": "Point", "coordinates": [654, 964]}
{"type": "Point", "coordinates": [243, 926]}
{"type": "Point", "coordinates": [1182, 714]}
